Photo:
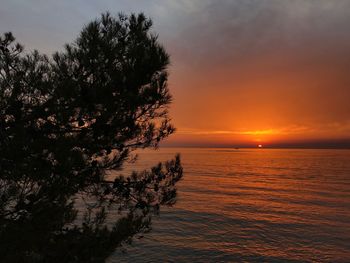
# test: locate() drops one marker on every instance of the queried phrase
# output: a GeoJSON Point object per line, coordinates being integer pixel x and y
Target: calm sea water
{"type": "Point", "coordinates": [251, 205]}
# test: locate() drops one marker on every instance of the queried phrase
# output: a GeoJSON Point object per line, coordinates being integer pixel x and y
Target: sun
{"type": "Point", "coordinates": [260, 146]}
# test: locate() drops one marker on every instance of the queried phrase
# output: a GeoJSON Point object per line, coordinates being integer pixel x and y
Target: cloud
{"type": "Point", "coordinates": [282, 131]}
{"type": "Point", "coordinates": [230, 32]}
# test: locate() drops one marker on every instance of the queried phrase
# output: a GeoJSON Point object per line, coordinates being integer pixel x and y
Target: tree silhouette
{"type": "Point", "coordinates": [65, 122]}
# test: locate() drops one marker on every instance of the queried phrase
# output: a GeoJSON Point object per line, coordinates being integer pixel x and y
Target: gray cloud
{"type": "Point", "coordinates": [220, 29]}
{"type": "Point", "coordinates": [234, 30]}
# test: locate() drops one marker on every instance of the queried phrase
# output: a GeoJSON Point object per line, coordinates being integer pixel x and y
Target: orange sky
{"type": "Point", "coordinates": [289, 97]}
{"type": "Point", "coordinates": [243, 72]}
{"type": "Point", "coordinates": [271, 73]}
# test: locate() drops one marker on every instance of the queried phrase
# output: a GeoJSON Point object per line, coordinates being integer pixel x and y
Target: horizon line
{"type": "Point", "coordinates": [256, 147]}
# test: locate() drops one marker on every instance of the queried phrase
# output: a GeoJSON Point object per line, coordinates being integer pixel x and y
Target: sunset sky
{"type": "Point", "coordinates": [242, 73]}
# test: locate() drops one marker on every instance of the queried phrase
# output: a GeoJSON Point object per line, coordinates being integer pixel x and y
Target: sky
{"type": "Point", "coordinates": [243, 72]}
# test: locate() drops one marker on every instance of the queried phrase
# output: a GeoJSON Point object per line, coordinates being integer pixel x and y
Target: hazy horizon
{"type": "Point", "coordinates": [306, 145]}
{"type": "Point", "coordinates": [310, 144]}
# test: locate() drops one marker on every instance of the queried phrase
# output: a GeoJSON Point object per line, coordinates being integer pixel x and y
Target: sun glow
{"type": "Point", "coordinates": [261, 132]}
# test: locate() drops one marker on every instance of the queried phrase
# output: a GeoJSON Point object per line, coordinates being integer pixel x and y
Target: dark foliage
{"type": "Point", "coordinates": [65, 122]}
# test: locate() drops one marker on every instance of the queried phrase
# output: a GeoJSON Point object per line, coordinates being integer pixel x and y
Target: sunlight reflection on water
{"type": "Point", "coordinates": [251, 205]}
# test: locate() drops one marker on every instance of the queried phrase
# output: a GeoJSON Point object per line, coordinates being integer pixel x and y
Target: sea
{"type": "Point", "coordinates": [250, 205]}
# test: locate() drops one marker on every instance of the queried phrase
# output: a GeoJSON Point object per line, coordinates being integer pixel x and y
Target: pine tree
{"type": "Point", "coordinates": [66, 123]}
